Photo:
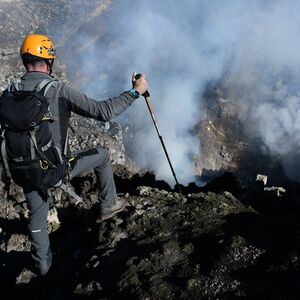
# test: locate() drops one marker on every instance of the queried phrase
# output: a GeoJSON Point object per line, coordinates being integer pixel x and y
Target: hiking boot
{"type": "Point", "coordinates": [110, 211]}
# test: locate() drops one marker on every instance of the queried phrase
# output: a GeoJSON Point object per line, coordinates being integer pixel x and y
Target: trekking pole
{"type": "Point", "coordinates": [146, 95]}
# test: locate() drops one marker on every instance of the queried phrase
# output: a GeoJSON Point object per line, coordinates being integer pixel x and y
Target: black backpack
{"type": "Point", "coordinates": [28, 154]}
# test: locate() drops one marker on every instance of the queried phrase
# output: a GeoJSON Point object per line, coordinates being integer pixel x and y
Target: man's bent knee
{"type": "Point", "coordinates": [104, 155]}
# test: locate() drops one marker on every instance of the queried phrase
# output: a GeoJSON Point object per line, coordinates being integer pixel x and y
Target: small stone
{"type": "Point", "coordinates": [57, 194]}
{"type": "Point", "coordinates": [96, 264]}
{"type": "Point", "coordinates": [53, 220]}
{"type": "Point", "coordinates": [140, 212]}
{"type": "Point", "coordinates": [143, 190]}
{"type": "Point", "coordinates": [20, 197]}
{"type": "Point", "coordinates": [263, 178]}
{"type": "Point", "coordinates": [25, 276]}
{"type": "Point", "coordinates": [278, 190]}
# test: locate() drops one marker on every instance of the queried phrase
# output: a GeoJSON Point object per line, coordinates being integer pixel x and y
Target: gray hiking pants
{"type": "Point", "coordinates": [38, 203]}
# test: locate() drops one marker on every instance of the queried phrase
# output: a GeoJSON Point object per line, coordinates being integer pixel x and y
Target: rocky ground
{"type": "Point", "coordinates": [223, 243]}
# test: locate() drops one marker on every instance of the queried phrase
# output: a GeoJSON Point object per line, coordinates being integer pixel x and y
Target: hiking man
{"type": "Point", "coordinates": [38, 54]}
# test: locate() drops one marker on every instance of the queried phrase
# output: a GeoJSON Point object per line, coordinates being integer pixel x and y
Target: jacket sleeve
{"type": "Point", "coordinates": [80, 104]}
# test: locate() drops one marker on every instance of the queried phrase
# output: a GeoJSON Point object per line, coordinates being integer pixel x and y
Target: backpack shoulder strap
{"type": "Point", "coordinates": [15, 86]}
{"type": "Point", "coordinates": [10, 87]}
{"type": "Point", "coordinates": [45, 85]}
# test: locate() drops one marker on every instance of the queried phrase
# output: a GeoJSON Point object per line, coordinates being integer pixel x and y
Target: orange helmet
{"type": "Point", "coordinates": [38, 45]}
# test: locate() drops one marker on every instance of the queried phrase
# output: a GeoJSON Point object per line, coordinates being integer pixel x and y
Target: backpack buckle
{"type": "Point", "coordinates": [43, 164]}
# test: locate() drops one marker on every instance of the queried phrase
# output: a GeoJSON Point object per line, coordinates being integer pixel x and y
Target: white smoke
{"type": "Point", "coordinates": [183, 45]}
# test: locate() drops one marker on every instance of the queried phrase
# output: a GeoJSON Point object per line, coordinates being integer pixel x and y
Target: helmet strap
{"type": "Point", "coordinates": [50, 63]}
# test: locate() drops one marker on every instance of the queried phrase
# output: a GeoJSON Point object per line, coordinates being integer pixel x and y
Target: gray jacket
{"type": "Point", "coordinates": [64, 99]}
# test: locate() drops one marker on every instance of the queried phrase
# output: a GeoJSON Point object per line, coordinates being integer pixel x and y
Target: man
{"type": "Point", "coordinates": [38, 54]}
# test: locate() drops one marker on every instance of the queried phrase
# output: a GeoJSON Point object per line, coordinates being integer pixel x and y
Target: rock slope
{"type": "Point", "coordinates": [224, 243]}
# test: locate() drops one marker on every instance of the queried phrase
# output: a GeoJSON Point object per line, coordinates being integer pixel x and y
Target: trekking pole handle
{"type": "Point", "coordinates": [146, 94]}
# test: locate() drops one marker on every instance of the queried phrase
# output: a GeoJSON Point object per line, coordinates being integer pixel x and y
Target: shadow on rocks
{"type": "Point", "coordinates": [129, 184]}
{"type": "Point", "coordinates": [270, 246]}
{"type": "Point", "coordinates": [12, 265]}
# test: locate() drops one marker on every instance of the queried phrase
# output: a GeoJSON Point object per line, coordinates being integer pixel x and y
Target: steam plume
{"type": "Point", "coordinates": [183, 45]}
